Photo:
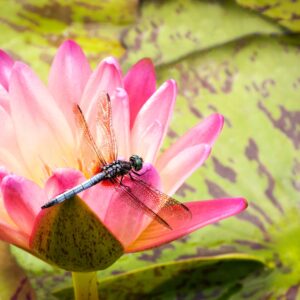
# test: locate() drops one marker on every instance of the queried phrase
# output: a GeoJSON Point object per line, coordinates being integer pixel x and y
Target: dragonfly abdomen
{"type": "Point", "coordinates": [76, 190]}
{"type": "Point", "coordinates": [109, 171]}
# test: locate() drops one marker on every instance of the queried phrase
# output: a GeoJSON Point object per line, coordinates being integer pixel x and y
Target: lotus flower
{"type": "Point", "coordinates": [40, 158]}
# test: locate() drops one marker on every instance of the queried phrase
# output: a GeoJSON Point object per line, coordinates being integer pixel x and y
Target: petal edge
{"type": "Point", "coordinates": [203, 213]}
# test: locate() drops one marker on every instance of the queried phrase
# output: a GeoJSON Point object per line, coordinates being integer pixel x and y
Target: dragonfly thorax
{"type": "Point", "coordinates": [123, 167]}
{"type": "Point", "coordinates": [117, 168]}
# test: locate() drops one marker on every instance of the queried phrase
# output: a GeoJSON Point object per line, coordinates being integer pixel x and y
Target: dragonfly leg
{"type": "Point", "coordinates": [123, 185]}
{"type": "Point", "coordinates": [138, 174]}
{"type": "Point", "coordinates": [121, 180]}
{"type": "Point", "coordinates": [130, 175]}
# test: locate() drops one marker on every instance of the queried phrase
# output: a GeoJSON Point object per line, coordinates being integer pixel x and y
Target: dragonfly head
{"type": "Point", "coordinates": [136, 162]}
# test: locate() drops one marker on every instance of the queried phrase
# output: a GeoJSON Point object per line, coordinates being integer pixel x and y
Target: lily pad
{"type": "Point", "coordinates": [32, 30]}
{"type": "Point", "coordinates": [14, 284]}
{"type": "Point", "coordinates": [286, 13]}
{"type": "Point", "coordinates": [169, 30]}
{"type": "Point", "coordinates": [191, 279]}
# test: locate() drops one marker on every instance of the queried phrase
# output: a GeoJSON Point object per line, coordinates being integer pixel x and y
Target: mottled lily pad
{"type": "Point", "coordinates": [31, 30]}
{"type": "Point", "coordinates": [194, 278]}
{"type": "Point", "coordinates": [43, 277]}
{"type": "Point", "coordinates": [169, 30]}
{"type": "Point", "coordinates": [286, 13]}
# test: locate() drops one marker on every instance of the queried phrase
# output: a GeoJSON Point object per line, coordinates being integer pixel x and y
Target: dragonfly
{"type": "Point", "coordinates": [109, 169]}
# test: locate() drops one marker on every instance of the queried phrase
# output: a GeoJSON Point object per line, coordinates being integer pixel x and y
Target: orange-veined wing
{"type": "Point", "coordinates": [95, 155]}
{"type": "Point", "coordinates": [104, 129]}
{"type": "Point", "coordinates": [91, 158]}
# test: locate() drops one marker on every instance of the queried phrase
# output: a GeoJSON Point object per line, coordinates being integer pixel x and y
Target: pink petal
{"type": "Point", "coordinates": [203, 213]}
{"type": "Point", "coordinates": [23, 200]}
{"type": "Point", "coordinates": [4, 99]}
{"type": "Point", "coordinates": [159, 109]}
{"type": "Point", "coordinates": [140, 84]}
{"type": "Point", "coordinates": [3, 173]}
{"type": "Point", "coordinates": [12, 162]}
{"type": "Point", "coordinates": [4, 217]}
{"type": "Point", "coordinates": [120, 115]}
{"type": "Point", "coordinates": [98, 199]}
{"type": "Point", "coordinates": [106, 78]}
{"type": "Point", "coordinates": [152, 139]}
{"type": "Point", "coordinates": [9, 232]}
{"type": "Point", "coordinates": [40, 126]}
{"type": "Point", "coordinates": [62, 180]}
{"type": "Point", "coordinates": [68, 76]}
{"type": "Point", "coordinates": [10, 153]}
{"type": "Point", "coordinates": [125, 221]}
{"type": "Point", "coordinates": [13, 236]}
{"type": "Point", "coordinates": [6, 64]}
{"type": "Point", "coordinates": [205, 132]}
{"type": "Point", "coordinates": [7, 133]}
{"type": "Point", "coordinates": [181, 166]}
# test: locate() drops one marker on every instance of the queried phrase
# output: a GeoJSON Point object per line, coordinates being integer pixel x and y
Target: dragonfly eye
{"type": "Point", "coordinates": [137, 162]}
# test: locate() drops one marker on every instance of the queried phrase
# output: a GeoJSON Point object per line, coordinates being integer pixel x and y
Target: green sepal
{"type": "Point", "coordinates": [72, 237]}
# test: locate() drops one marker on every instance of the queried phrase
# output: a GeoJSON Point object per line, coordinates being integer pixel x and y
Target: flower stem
{"type": "Point", "coordinates": [85, 286]}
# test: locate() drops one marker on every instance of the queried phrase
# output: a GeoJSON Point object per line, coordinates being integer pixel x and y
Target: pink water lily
{"type": "Point", "coordinates": [39, 147]}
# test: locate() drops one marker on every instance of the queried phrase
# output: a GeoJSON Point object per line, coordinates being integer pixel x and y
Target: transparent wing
{"type": "Point", "coordinates": [104, 129]}
{"type": "Point", "coordinates": [91, 158]}
{"type": "Point", "coordinates": [153, 202]}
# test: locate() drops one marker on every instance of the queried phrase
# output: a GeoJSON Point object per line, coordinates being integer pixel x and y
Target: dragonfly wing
{"type": "Point", "coordinates": [166, 205]}
{"type": "Point", "coordinates": [104, 129]}
{"type": "Point", "coordinates": [91, 158]}
{"type": "Point", "coordinates": [153, 202]}
{"type": "Point", "coordinates": [128, 195]}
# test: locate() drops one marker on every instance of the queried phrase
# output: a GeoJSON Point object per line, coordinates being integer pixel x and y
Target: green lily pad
{"type": "Point", "coordinates": [286, 13]}
{"type": "Point", "coordinates": [72, 237]}
{"type": "Point", "coordinates": [191, 279]}
{"type": "Point", "coordinates": [31, 263]}
{"type": "Point", "coordinates": [42, 282]}
{"type": "Point", "coordinates": [43, 277]}
{"type": "Point", "coordinates": [169, 30]}
{"type": "Point", "coordinates": [32, 30]}
{"type": "Point", "coordinates": [14, 284]}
